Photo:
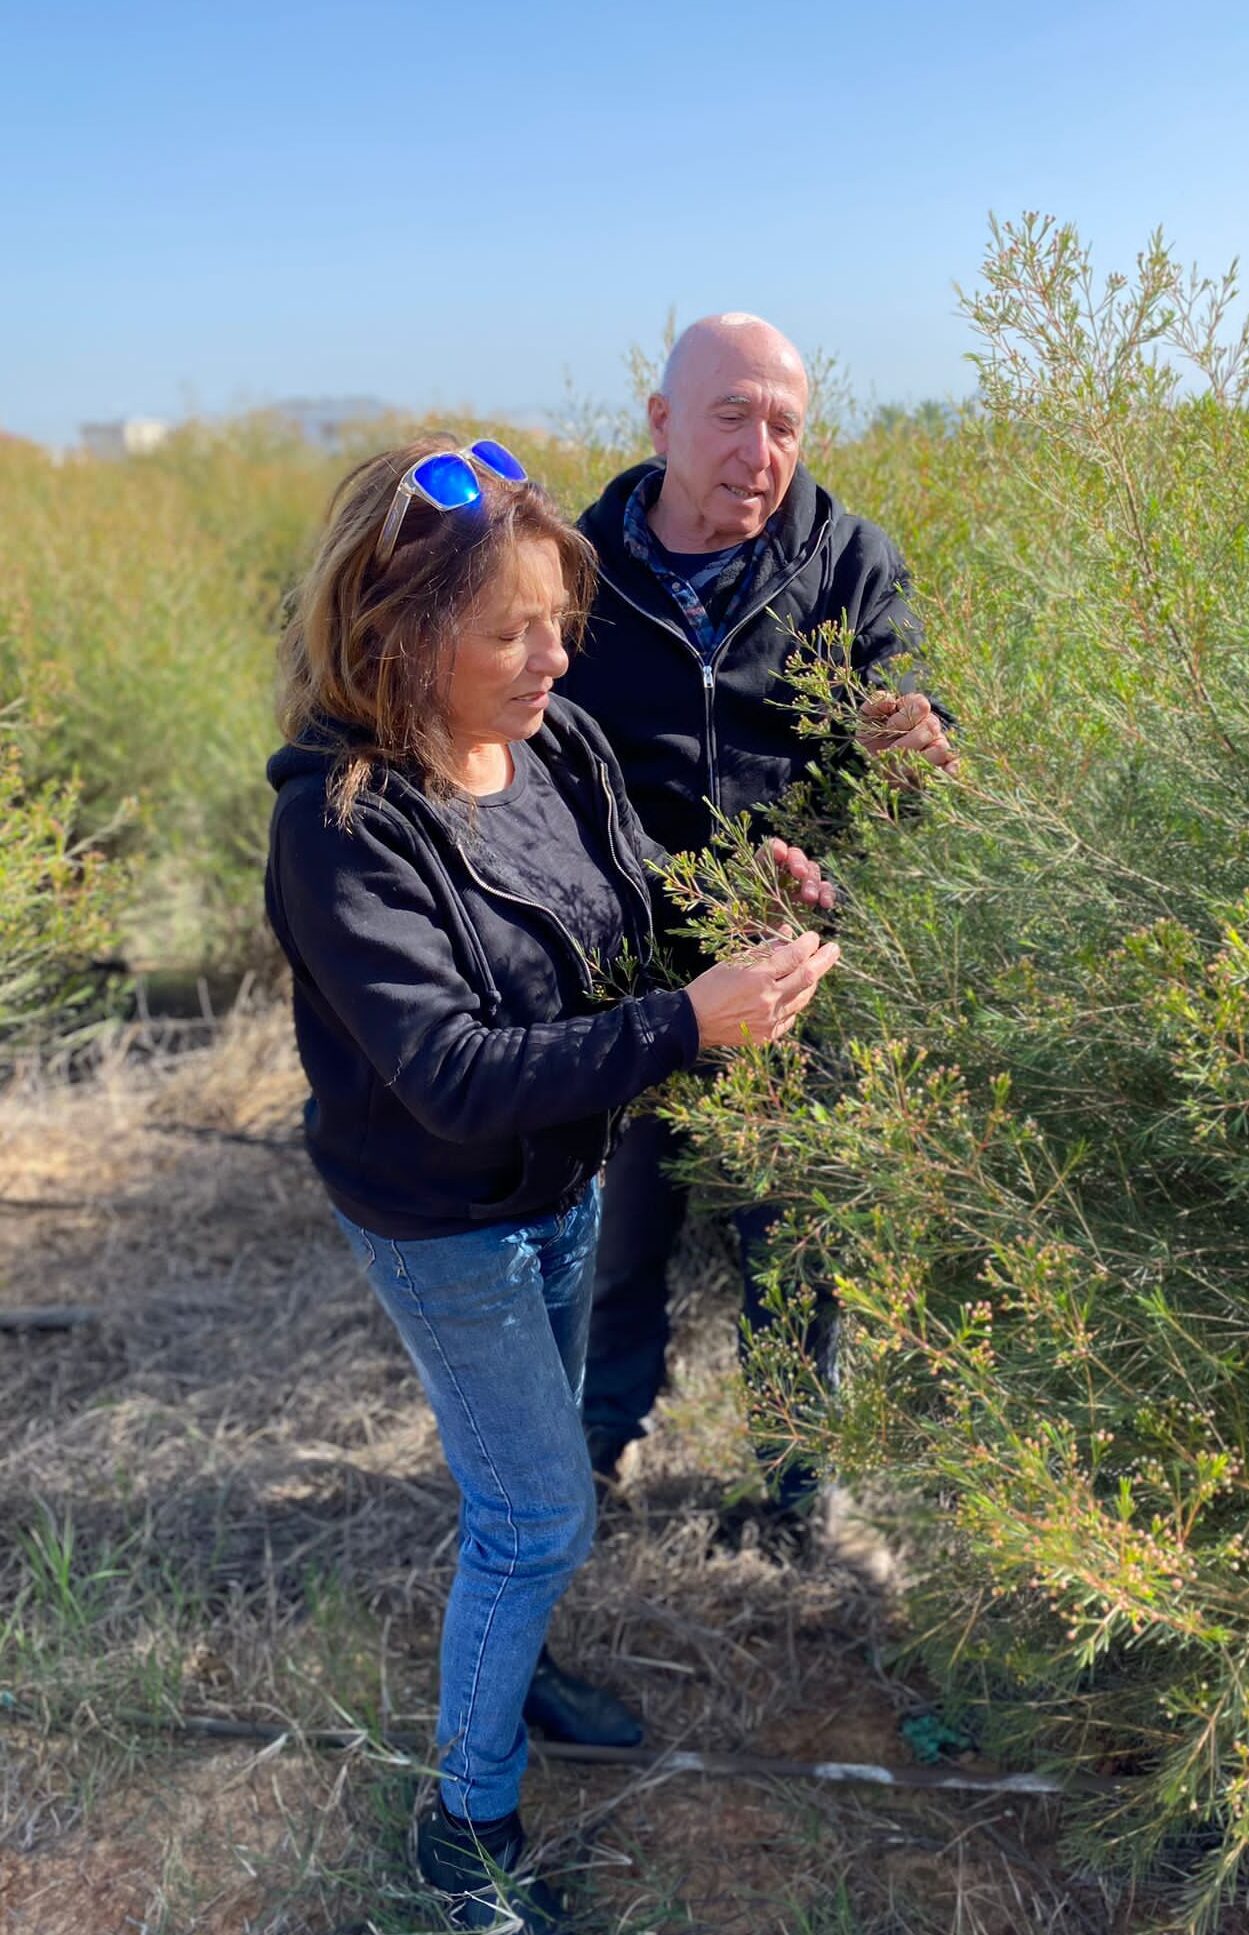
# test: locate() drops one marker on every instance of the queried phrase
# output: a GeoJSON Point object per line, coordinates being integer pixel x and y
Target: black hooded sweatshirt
{"type": "Point", "coordinates": [463, 1070]}
{"type": "Point", "coordinates": [685, 731]}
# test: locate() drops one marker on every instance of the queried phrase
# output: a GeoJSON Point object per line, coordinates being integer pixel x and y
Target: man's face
{"type": "Point", "coordinates": [731, 432]}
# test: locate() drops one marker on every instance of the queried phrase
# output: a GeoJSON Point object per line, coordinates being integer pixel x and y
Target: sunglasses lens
{"type": "Point", "coordinates": [501, 461]}
{"type": "Point", "coordinates": [448, 480]}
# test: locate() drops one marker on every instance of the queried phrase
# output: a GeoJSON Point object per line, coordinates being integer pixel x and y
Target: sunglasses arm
{"type": "Point", "coordinates": [394, 518]}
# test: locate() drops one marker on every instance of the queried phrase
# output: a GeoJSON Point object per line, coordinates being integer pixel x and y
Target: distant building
{"type": "Point", "coordinates": [327, 421]}
{"type": "Point", "coordinates": [127, 437]}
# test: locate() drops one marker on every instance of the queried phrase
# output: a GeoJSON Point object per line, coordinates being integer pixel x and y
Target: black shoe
{"type": "Point", "coordinates": [606, 1447]}
{"type": "Point", "coordinates": [566, 1708]}
{"type": "Point", "coordinates": [482, 1877]}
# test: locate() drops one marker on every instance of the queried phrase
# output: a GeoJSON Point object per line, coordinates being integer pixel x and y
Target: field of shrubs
{"type": "Point", "coordinates": [1016, 1135]}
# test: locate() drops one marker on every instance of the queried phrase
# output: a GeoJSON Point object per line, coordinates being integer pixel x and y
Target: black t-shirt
{"type": "Point", "coordinates": [528, 841]}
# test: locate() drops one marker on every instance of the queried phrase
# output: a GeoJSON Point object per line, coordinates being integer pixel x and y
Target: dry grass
{"type": "Point", "coordinates": [227, 1495]}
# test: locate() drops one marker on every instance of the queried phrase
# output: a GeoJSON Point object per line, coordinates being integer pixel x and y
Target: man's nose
{"type": "Point", "coordinates": [753, 445]}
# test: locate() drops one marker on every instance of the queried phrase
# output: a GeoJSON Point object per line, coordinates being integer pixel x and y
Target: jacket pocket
{"type": "Point", "coordinates": [553, 1166]}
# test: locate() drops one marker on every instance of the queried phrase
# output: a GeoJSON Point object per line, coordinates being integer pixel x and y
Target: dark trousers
{"type": "Point", "coordinates": [643, 1210]}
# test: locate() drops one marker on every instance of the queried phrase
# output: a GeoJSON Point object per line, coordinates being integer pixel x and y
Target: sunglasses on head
{"type": "Point", "coordinates": [448, 481]}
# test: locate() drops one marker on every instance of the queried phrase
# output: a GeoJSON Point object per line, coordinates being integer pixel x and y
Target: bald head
{"type": "Point", "coordinates": [727, 419]}
{"type": "Point", "coordinates": [731, 338]}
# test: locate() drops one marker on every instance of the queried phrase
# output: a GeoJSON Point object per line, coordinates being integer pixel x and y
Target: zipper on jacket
{"type": "Point", "coordinates": [494, 1000]}
{"type": "Point", "coordinates": [709, 705]}
{"type": "Point", "coordinates": [613, 846]}
{"type": "Point", "coordinates": [519, 900]}
{"type": "Point", "coordinates": [775, 592]}
{"type": "Point", "coordinates": [709, 678]}
{"type": "Point", "coordinates": [708, 666]}
{"type": "Point", "coordinates": [708, 674]}
{"type": "Point", "coordinates": [418, 813]}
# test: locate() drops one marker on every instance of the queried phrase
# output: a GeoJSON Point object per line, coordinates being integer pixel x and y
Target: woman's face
{"type": "Point", "coordinates": [510, 649]}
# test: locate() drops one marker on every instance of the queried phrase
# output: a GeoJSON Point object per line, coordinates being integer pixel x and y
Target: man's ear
{"type": "Point", "coordinates": [657, 417]}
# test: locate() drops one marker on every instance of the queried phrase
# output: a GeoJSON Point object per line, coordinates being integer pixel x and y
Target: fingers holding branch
{"type": "Point", "coordinates": [758, 996]}
{"type": "Point", "coordinates": [892, 723]}
{"type": "Point", "coordinates": [800, 876]}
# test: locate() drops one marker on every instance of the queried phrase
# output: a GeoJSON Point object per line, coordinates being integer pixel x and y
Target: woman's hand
{"type": "Point", "coordinates": [759, 996]}
{"type": "Point", "coordinates": [800, 876]}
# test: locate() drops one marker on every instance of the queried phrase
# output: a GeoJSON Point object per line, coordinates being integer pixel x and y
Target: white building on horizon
{"type": "Point", "coordinates": [126, 437]}
{"type": "Point", "coordinates": [327, 421]}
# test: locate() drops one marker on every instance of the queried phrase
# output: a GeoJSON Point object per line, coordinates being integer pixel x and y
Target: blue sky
{"type": "Point", "coordinates": [208, 207]}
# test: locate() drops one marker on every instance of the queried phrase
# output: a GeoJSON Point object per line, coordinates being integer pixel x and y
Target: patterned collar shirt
{"type": "Point", "coordinates": [709, 589]}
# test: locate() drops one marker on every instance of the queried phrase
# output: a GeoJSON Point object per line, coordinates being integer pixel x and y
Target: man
{"type": "Point", "coordinates": [703, 556]}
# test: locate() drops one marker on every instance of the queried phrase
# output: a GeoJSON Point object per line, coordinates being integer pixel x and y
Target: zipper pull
{"type": "Point", "coordinates": [709, 677]}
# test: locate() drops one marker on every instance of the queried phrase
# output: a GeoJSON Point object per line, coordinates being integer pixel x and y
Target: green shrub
{"type": "Point", "coordinates": [140, 604]}
{"type": "Point", "coordinates": [1016, 1135]}
{"type": "Point", "coordinates": [58, 917]}
{"type": "Point", "coordinates": [1032, 1189]}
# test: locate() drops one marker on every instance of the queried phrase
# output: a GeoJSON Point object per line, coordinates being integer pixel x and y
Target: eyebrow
{"type": "Point", "coordinates": [559, 609]}
{"type": "Point", "coordinates": [746, 402]}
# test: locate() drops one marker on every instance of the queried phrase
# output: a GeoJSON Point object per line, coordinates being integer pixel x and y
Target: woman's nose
{"type": "Point", "coordinates": [549, 653]}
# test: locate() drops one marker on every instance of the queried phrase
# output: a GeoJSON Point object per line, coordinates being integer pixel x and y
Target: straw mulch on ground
{"type": "Point", "coordinates": [261, 1524]}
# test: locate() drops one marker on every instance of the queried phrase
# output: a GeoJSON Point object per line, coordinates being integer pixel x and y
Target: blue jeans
{"type": "Point", "coordinates": [495, 1322]}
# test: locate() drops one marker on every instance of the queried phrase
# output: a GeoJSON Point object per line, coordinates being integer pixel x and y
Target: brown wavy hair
{"type": "Point", "coordinates": [366, 657]}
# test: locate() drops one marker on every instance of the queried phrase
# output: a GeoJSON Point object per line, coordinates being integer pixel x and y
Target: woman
{"type": "Point", "coordinates": [451, 850]}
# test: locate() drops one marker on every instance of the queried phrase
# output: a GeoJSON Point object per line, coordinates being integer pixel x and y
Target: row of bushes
{"type": "Point", "coordinates": [140, 604]}
{"type": "Point", "coordinates": [1016, 1138]}
{"type": "Point", "coordinates": [61, 905]}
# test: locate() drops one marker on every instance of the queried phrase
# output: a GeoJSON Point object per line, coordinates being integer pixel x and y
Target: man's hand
{"type": "Point", "coordinates": [801, 876]}
{"type": "Point", "coordinates": [892, 723]}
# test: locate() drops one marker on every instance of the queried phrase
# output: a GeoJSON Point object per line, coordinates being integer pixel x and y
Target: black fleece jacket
{"type": "Point", "coordinates": [462, 1069]}
{"type": "Point", "coordinates": [684, 731]}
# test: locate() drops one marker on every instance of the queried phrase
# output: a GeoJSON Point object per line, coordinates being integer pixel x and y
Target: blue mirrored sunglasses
{"type": "Point", "coordinates": [448, 481]}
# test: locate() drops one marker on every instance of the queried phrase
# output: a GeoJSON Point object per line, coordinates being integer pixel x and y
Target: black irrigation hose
{"type": "Point", "coordinates": [648, 1760]}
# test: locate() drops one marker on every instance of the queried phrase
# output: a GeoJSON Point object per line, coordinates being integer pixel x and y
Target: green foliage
{"type": "Point", "coordinates": [59, 902]}
{"type": "Point", "coordinates": [1015, 1132]}
{"type": "Point", "coordinates": [1015, 1135]}
{"type": "Point", "coordinates": [140, 605]}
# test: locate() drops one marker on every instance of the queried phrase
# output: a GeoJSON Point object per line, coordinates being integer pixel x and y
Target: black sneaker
{"type": "Point", "coordinates": [606, 1447]}
{"type": "Point", "coordinates": [564, 1707]}
{"type": "Point", "coordinates": [482, 1878]}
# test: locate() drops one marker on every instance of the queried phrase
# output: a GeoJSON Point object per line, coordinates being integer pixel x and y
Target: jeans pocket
{"type": "Point", "coordinates": [389, 1278]}
{"type": "Point", "coordinates": [359, 1241]}
{"type": "Point", "coordinates": [400, 1276]}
